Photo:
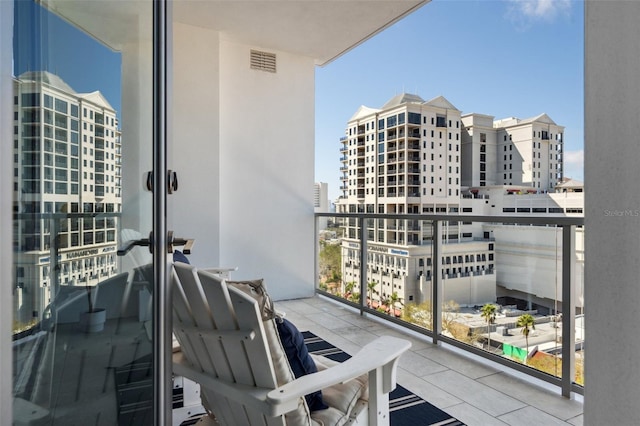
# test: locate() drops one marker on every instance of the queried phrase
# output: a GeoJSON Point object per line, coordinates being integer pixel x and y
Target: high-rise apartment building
{"type": "Point", "coordinates": [406, 158]}
{"type": "Point", "coordinates": [416, 156]}
{"type": "Point", "coordinates": [321, 202]}
{"type": "Point", "coordinates": [403, 157]}
{"type": "Point", "coordinates": [512, 151]}
{"type": "Point", "coordinates": [67, 189]}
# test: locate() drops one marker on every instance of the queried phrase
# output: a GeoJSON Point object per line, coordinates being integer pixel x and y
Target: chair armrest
{"type": "Point", "coordinates": [224, 272]}
{"type": "Point", "coordinates": [380, 356]}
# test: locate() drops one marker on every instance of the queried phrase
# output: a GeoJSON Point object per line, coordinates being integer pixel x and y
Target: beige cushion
{"type": "Point", "coordinates": [256, 289]}
{"type": "Point", "coordinates": [343, 396]}
{"type": "Point", "coordinates": [330, 417]}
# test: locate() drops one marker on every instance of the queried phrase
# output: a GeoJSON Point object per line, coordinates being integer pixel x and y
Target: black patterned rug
{"type": "Point", "coordinates": [405, 408]}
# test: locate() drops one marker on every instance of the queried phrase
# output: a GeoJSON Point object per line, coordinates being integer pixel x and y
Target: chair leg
{"type": "Point", "coordinates": [378, 400]}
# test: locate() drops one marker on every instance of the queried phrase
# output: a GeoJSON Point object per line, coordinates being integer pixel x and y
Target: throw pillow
{"type": "Point", "coordinates": [299, 359]}
{"type": "Point", "coordinates": [179, 256]}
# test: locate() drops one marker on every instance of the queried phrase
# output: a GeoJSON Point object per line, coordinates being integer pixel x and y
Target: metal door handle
{"type": "Point", "coordinates": [172, 181]}
{"type": "Point", "coordinates": [186, 242]}
{"type": "Point", "coordinates": [148, 242]}
{"type": "Point", "coordinates": [144, 242]}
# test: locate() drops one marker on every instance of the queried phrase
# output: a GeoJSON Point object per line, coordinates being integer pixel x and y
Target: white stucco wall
{"type": "Point", "coordinates": [612, 154]}
{"type": "Point", "coordinates": [194, 147]}
{"type": "Point", "coordinates": [529, 260]}
{"type": "Point", "coordinates": [267, 170]}
{"type": "Point", "coordinates": [137, 143]}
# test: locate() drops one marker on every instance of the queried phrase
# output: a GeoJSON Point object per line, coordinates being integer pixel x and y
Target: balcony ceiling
{"type": "Point", "coordinates": [320, 29]}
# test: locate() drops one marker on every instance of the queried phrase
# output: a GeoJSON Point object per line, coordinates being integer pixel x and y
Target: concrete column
{"type": "Point", "coordinates": [612, 212]}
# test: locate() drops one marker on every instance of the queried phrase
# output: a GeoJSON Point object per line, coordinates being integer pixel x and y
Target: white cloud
{"type": "Point", "coordinates": [525, 12]}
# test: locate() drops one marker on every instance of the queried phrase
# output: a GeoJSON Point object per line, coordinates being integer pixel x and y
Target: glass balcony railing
{"type": "Point", "coordinates": [509, 289]}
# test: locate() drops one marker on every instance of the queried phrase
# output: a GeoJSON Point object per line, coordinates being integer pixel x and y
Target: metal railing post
{"type": "Point", "coordinates": [436, 281]}
{"type": "Point", "coordinates": [54, 252]}
{"type": "Point", "coordinates": [568, 308]}
{"type": "Point", "coordinates": [363, 261]}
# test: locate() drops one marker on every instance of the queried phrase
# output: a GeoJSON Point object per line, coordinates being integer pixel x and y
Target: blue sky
{"type": "Point", "coordinates": [515, 58]}
{"type": "Point", "coordinates": [503, 58]}
{"type": "Point", "coordinates": [45, 42]}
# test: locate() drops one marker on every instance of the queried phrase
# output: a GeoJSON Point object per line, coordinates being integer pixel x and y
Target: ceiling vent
{"type": "Point", "coordinates": [263, 61]}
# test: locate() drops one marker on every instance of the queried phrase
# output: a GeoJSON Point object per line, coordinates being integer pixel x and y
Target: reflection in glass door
{"type": "Point", "coordinates": [83, 135]}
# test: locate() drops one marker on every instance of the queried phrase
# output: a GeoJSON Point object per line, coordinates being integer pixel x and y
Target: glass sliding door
{"type": "Point", "coordinates": [83, 275]}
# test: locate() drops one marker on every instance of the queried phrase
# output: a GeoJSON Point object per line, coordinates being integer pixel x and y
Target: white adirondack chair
{"type": "Point", "coordinates": [244, 374]}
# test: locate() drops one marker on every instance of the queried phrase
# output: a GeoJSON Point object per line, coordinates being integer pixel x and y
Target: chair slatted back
{"type": "Point", "coordinates": [203, 303]}
{"type": "Point", "coordinates": [188, 307]}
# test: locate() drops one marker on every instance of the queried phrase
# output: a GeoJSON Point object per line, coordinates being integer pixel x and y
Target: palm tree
{"type": "Point", "coordinates": [393, 299]}
{"type": "Point", "coordinates": [348, 287]}
{"type": "Point", "coordinates": [371, 288]}
{"type": "Point", "coordinates": [525, 321]}
{"type": "Point", "coordinates": [488, 312]}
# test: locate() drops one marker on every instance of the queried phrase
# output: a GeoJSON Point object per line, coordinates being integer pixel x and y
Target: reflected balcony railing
{"type": "Point", "coordinates": [492, 302]}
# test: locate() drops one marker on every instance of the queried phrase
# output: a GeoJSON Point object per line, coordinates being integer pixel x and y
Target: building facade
{"type": "Point", "coordinates": [406, 158]}
{"type": "Point", "coordinates": [512, 151]}
{"type": "Point", "coordinates": [416, 156]}
{"type": "Point", "coordinates": [66, 188]}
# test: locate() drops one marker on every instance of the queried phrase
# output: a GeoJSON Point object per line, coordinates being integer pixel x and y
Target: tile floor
{"type": "Point", "coordinates": [474, 390]}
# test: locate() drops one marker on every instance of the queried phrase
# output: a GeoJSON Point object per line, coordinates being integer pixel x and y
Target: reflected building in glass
{"type": "Point", "coordinates": [67, 191]}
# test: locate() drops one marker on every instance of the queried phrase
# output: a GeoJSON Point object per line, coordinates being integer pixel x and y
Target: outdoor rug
{"type": "Point", "coordinates": [405, 408]}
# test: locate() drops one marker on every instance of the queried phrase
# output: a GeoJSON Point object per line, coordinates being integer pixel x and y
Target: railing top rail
{"type": "Point", "coordinates": [64, 215]}
{"type": "Point", "coordinates": [527, 220]}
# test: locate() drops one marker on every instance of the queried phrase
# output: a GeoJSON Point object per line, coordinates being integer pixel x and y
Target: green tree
{"type": "Point", "coordinates": [488, 312]}
{"type": "Point", "coordinates": [330, 261]}
{"type": "Point", "coordinates": [418, 314]}
{"type": "Point", "coordinates": [393, 299]}
{"type": "Point", "coordinates": [348, 287]}
{"type": "Point", "coordinates": [371, 288]}
{"type": "Point", "coordinates": [527, 322]}
{"type": "Point", "coordinates": [450, 312]}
